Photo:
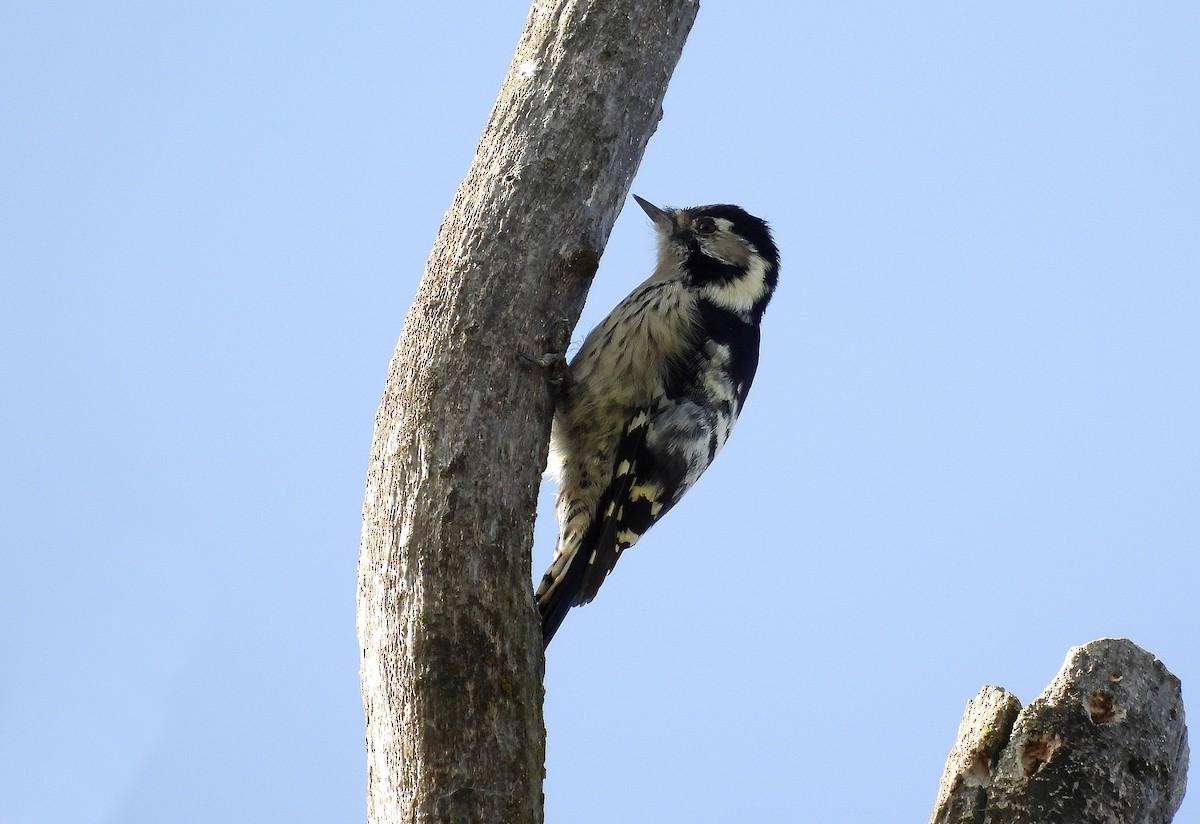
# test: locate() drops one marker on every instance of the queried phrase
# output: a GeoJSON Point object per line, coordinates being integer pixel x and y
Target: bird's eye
{"type": "Point", "coordinates": [706, 225]}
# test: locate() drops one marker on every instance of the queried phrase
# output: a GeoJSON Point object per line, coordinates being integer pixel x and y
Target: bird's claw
{"type": "Point", "coordinates": [558, 372]}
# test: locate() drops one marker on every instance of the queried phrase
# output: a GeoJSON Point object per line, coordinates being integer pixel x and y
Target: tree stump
{"type": "Point", "coordinates": [1105, 742]}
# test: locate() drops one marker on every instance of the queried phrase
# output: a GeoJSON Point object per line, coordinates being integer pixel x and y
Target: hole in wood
{"type": "Point", "coordinates": [1038, 749]}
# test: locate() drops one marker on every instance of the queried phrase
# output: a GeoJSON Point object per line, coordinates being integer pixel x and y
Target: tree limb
{"type": "Point", "coordinates": [451, 652]}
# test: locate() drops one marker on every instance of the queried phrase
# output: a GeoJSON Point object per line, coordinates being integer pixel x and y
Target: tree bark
{"type": "Point", "coordinates": [451, 650]}
{"type": "Point", "coordinates": [1105, 743]}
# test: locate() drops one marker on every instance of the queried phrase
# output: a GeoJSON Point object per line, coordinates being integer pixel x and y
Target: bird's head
{"type": "Point", "coordinates": [723, 251]}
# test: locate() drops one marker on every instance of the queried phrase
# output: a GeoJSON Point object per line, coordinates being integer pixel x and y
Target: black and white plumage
{"type": "Point", "coordinates": [654, 393]}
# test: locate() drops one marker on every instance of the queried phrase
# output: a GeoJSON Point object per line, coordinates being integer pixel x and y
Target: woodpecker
{"type": "Point", "coordinates": [653, 393]}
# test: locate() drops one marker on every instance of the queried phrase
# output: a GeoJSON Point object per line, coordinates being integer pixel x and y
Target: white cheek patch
{"type": "Point", "coordinates": [742, 293]}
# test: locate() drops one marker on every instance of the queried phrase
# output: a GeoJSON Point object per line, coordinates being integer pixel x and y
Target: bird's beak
{"type": "Point", "coordinates": [661, 219]}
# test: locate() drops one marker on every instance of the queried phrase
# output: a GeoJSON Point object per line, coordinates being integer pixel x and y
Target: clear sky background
{"type": "Point", "coordinates": [974, 440]}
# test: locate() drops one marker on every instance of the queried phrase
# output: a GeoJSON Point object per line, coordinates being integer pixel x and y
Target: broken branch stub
{"type": "Point", "coordinates": [1105, 742]}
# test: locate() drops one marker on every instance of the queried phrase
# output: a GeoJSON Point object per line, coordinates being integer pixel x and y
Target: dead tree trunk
{"type": "Point", "coordinates": [451, 651]}
{"type": "Point", "coordinates": [1105, 743]}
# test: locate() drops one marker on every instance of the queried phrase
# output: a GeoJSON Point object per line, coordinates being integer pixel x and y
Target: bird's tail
{"type": "Point", "coordinates": [557, 593]}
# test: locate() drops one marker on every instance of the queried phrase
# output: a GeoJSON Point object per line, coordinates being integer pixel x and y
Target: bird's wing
{"type": "Point", "coordinates": [660, 456]}
{"type": "Point", "coordinates": [573, 567]}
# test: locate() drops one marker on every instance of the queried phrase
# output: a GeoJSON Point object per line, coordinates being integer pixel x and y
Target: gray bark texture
{"type": "Point", "coordinates": [1105, 743]}
{"type": "Point", "coordinates": [452, 660]}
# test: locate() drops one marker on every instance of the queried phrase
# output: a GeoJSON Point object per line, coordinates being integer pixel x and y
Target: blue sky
{"type": "Point", "coordinates": [974, 439]}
